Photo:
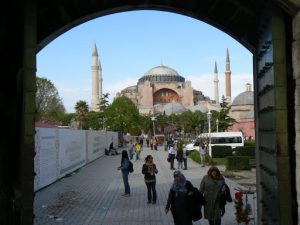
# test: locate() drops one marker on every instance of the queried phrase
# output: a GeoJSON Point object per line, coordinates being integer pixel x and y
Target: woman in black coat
{"type": "Point", "coordinates": [178, 200]}
{"type": "Point", "coordinates": [149, 170]}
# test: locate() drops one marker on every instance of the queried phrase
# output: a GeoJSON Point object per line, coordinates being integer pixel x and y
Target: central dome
{"type": "Point", "coordinates": [161, 74]}
{"type": "Point", "coordinates": [162, 70]}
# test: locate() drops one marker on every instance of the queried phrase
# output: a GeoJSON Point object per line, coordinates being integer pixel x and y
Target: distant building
{"type": "Point", "coordinates": [162, 89]}
{"type": "Point", "coordinates": [242, 110]}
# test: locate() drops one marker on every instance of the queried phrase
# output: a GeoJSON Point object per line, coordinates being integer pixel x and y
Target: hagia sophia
{"type": "Point", "coordinates": [163, 90]}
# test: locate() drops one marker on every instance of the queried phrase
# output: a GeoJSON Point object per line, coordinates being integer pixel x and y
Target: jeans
{"type": "Point", "coordinates": [151, 191]}
{"type": "Point", "coordinates": [130, 154]}
{"type": "Point", "coordinates": [137, 155]}
{"type": "Point", "coordinates": [202, 156]}
{"type": "Point", "coordinates": [185, 163]}
{"type": "Point", "coordinates": [215, 222]}
{"type": "Point", "coordinates": [125, 180]}
{"type": "Point", "coordinates": [180, 164]}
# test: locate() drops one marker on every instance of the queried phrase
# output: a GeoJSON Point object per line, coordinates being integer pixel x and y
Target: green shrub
{"type": "Point", "coordinates": [249, 143]}
{"type": "Point", "coordinates": [194, 155]}
{"type": "Point", "coordinates": [238, 163]}
{"type": "Point", "coordinates": [210, 160]}
{"type": "Point", "coordinates": [245, 151]}
{"type": "Point", "coordinates": [221, 151]}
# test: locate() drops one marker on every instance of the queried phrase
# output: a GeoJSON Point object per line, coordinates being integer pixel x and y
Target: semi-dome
{"type": "Point", "coordinates": [130, 89]}
{"type": "Point", "coordinates": [161, 74]}
{"type": "Point", "coordinates": [245, 98]}
{"type": "Point", "coordinates": [173, 108]}
{"type": "Point", "coordinates": [199, 107]}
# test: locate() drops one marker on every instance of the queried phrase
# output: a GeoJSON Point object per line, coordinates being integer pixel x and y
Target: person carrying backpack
{"type": "Point", "coordinates": [149, 170]}
{"type": "Point", "coordinates": [125, 172]}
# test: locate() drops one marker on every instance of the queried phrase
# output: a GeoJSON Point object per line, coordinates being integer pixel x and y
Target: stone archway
{"type": "Point", "coordinates": [264, 27]}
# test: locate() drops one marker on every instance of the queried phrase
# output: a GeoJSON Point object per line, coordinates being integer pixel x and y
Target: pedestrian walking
{"type": "Point", "coordinates": [151, 144]}
{"type": "Point", "coordinates": [155, 144]}
{"type": "Point", "coordinates": [185, 154]}
{"type": "Point", "coordinates": [171, 157]}
{"type": "Point", "coordinates": [125, 172]}
{"type": "Point", "coordinates": [131, 150]}
{"type": "Point", "coordinates": [142, 143]}
{"type": "Point", "coordinates": [179, 157]}
{"type": "Point", "coordinates": [149, 170]}
{"type": "Point", "coordinates": [178, 200]}
{"type": "Point", "coordinates": [138, 150]}
{"type": "Point", "coordinates": [210, 187]}
{"type": "Point", "coordinates": [202, 152]}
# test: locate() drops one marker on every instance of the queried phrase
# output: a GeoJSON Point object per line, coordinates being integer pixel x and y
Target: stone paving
{"type": "Point", "coordinates": [92, 195]}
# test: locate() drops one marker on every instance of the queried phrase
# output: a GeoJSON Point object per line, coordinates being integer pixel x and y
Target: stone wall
{"type": "Point", "coordinates": [296, 68]}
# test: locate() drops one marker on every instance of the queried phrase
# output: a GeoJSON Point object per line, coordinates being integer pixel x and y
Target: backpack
{"type": "Point", "coordinates": [197, 202]}
{"type": "Point", "coordinates": [225, 194]}
{"type": "Point", "coordinates": [130, 167]}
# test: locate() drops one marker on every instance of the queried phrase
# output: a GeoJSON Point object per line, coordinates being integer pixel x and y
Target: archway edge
{"type": "Point", "coordinates": [237, 19]}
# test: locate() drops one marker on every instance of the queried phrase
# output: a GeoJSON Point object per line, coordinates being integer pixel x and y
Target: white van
{"type": "Point", "coordinates": [233, 139]}
{"type": "Point", "coordinates": [195, 145]}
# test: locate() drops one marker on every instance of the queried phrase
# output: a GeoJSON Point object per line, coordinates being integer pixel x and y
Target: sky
{"type": "Point", "coordinates": [131, 43]}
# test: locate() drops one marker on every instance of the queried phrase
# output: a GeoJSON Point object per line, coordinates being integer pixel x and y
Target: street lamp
{"type": "Point", "coordinates": [153, 119]}
{"type": "Point", "coordinates": [209, 139]}
{"type": "Point", "coordinates": [217, 125]}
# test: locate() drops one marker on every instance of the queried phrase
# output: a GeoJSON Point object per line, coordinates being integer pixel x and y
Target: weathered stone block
{"type": "Point", "coordinates": [296, 59]}
{"type": "Point", "coordinates": [296, 27]}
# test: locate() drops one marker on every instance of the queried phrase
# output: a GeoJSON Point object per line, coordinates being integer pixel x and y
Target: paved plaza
{"type": "Point", "coordinates": [92, 195]}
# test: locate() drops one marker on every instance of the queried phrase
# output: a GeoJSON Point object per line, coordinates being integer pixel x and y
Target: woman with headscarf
{"type": "Point", "coordinates": [149, 170]}
{"type": "Point", "coordinates": [178, 199]}
{"type": "Point", "coordinates": [210, 187]}
{"type": "Point", "coordinates": [125, 172]}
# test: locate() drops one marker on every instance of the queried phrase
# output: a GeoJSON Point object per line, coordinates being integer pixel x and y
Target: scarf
{"type": "Point", "coordinates": [180, 185]}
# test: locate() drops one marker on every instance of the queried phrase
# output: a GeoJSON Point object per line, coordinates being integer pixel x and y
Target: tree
{"type": "Point", "coordinates": [92, 121]}
{"type": "Point", "coordinates": [123, 115]}
{"type": "Point", "coordinates": [66, 119]}
{"type": "Point", "coordinates": [224, 120]}
{"type": "Point", "coordinates": [82, 110]}
{"type": "Point", "coordinates": [48, 103]}
{"type": "Point", "coordinates": [102, 108]}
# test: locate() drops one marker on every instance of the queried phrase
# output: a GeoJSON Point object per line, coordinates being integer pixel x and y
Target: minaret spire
{"type": "Point", "coordinates": [228, 78]}
{"type": "Point", "coordinates": [96, 80]}
{"type": "Point", "coordinates": [216, 84]}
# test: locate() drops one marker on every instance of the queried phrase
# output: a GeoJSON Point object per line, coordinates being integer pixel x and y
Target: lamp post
{"type": "Point", "coordinates": [209, 139]}
{"type": "Point", "coordinates": [217, 125]}
{"type": "Point", "coordinates": [153, 119]}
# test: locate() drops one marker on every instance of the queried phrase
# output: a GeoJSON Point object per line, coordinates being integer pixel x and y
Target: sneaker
{"type": "Point", "coordinates": [126, 195]}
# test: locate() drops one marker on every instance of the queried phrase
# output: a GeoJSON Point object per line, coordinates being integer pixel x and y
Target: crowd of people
{"type": "Point", "coordinates": [184, 200]}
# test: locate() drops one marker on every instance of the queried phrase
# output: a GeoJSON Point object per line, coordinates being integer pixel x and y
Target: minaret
{"type": "Point", "coordinates": [216, 84]}
{"type": "Point", "coordinates": [96, 81]}
{"type": "Point", "coordinates": [228, 78]}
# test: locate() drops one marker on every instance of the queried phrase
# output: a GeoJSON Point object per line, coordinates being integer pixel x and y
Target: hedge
{"type": "Point", "coordinates": [221, 151]}
{"type": "Point", "coordinates": [245, 151]}
{"type": "Point", "coordinates": [238, 163]}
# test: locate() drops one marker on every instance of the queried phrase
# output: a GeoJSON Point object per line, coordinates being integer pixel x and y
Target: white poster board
{"type": "Point", "coordinates": [72, 152]}
{"type": "Point", "coordinates": [46, 159]}
{"type": "Point", "coordinates": [96, 144]}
